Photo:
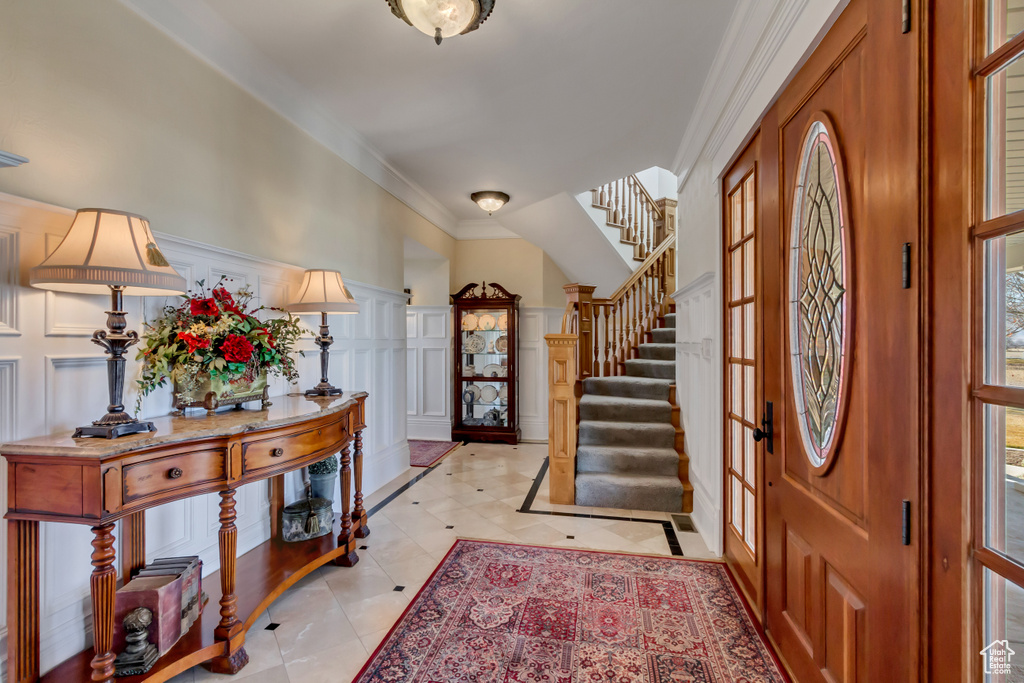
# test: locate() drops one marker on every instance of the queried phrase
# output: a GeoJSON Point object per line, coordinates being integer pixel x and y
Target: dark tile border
{"type": "Point", "coordinates": [527, 508]}
{"type": "Point", "coordinates": [401, 489]}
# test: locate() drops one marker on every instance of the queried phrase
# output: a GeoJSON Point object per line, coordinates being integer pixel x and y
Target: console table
{"type": "Point", "coordinates": [98, 481]}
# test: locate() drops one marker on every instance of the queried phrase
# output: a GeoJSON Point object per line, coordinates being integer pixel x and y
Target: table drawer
{"type": "Point", "coordinates": [174, 472]}
{"type": "Point", "coordinates": [274, 452]}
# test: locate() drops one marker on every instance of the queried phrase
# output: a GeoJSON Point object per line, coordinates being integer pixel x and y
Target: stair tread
{"type": "Point", "coordinates": [624, 379]}
{"type": "Point", "coordinates": [627, 450]}
{"type": "Point", "coordinates": [601, 399]}
{"type": "Point", "coordinates": [660, 345]}
{"type": "Point", "coordinates": [613, 424]}
{"type": "Point", "coordinates": [650, 360]}
{"type": "Point", "coordinates": [649, 479]}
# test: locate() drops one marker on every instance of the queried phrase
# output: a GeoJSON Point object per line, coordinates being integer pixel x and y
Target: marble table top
{"type": "Point", "coordinates": [194, 425]}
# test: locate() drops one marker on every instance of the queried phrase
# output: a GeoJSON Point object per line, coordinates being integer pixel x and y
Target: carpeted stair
{"type": "Point", "coordinates": [630, 450]}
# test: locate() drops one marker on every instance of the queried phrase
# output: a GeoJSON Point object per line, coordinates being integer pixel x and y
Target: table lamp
{"type": "Point", "coordinates": [110, 251]}
{"type": "Point", "coordinates": [323, 292]}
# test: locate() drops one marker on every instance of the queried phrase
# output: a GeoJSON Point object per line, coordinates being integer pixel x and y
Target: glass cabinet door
{"type": "Point", "coordinates": [484, 367]}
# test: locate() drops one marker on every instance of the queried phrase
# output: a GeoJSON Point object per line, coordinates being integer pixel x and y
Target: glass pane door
{"type": "Point", "coordinates": [484, 362]}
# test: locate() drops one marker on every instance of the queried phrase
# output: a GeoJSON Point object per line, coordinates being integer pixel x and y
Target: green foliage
{"type": "Point", "coordinates": [328, 465]}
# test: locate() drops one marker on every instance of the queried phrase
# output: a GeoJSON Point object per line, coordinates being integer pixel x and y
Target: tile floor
{"type": "Point", "coordinates": [331, 621]}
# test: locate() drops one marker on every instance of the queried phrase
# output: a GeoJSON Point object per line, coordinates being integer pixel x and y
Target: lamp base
{"type": "Point", "coordinates": [114, 431]}
{"type": "Point", "coordinates": [323, 389]}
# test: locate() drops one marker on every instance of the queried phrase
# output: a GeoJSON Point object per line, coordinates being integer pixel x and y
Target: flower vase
{"type": "Point", "coordinates": [211, 393]}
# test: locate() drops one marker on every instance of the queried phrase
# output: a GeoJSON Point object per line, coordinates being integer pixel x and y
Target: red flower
{"type": "Point", "coordinates": [193, 342]}
{"type": "Point", "coordinates": [204, 307]}
{"type": "Point", "coordinates": [224, 296]}
{"type": "Point", "coordinates": [270, 337]}
{"type": "Point", "coordinates": [237, 349]}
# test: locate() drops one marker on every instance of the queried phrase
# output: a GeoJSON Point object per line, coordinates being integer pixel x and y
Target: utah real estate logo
{"type": "Point", "coordinates": [997, 657]}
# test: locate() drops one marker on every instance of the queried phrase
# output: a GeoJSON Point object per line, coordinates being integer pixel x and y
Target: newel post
{"type": "Point", "coordinates": [665, 226]}
{"type": "Point", "coordinates": [562, 419]}
{"type": "Point", "coordinates": [583, 297]}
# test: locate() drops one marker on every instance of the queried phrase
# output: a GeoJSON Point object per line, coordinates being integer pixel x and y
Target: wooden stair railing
{"type": "Point", "coordinates": [598, 336]}
{"type": "Point", "coordinates": [642, 221]}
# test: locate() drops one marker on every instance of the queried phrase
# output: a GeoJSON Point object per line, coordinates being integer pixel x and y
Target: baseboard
{"type": "Point", "coordinates": [534, 431]}
{"type": "Point", "coordinates": [429, 429]}
{"type": "Point", "coordinates": [389, 463]}
{"type": "Point", "coordinates": [706, 517]}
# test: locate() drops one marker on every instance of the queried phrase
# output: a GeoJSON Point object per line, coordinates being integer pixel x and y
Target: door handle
{"type": "Point", "coordinates": [767, 433]}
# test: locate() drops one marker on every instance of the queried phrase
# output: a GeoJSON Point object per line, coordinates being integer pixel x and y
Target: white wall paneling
{"type": "Point", "coordinates": [53, 379]}
{"type": "Point", "coordinates": [429, 372]}
{"type": "Point", "coordinates": [534, 323]}
{"type": "Point", "coordinates": [698, 377]}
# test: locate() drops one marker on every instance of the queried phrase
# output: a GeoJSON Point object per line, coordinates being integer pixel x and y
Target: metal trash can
{"type": "Point", "coordinates": [306, 519]}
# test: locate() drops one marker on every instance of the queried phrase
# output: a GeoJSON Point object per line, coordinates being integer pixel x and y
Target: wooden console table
{"type": "Point", "coordinates": [97, 482]}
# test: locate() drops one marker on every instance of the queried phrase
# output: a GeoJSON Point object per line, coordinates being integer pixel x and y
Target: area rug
{"type": "Point", "coordinates": [502, 613]}
{"type": "Point", "coordinates": [426, 453]}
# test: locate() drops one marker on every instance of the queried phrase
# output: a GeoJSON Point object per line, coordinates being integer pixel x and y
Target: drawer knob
{"type": "Point", "coordinates": [174, 472]}
{"type": "Point", "coordinates": [277, 453]}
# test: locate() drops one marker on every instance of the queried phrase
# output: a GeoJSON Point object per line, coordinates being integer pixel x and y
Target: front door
{"type": "Point", "coordinates": [840, 224]}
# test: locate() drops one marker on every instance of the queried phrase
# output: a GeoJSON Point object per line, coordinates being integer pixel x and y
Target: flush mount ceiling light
{"type": "Point", "coordinates": [490, 201]}
{"type": "Point", "coordinates": [443, 18]}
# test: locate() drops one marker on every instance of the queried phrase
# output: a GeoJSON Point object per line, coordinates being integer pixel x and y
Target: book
{"type": "Point", "coordinates": [162, 596]}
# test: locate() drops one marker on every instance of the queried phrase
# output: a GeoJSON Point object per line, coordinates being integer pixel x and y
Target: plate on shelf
{"type": "Point", "coordinates": [472, 390]}
{"type": "Point", "coordinates": [474, 343]}
{"type": "Point", "coordinates": [470, 322]}
{"type": "Point", "coordinates": [487, 322]}
{"type": "Point", "coordinates": [501, 344]}
{"type": "Point", "coordinates": [488, 394]}
{"type": "Point", "coordinates": [503, 393]}
{"type": "Point", "coordinates": [503, 321]}
{"type": "Point", "coordinates": [492, 370]}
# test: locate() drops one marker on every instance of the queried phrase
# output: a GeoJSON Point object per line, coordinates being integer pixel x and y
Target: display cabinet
{"type": "Point", "coordinates": [486, 364]}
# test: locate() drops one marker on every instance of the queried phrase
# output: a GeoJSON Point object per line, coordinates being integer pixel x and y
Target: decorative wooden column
{"type": "Point", "coordinates": [229, 626]}
{"type": "Point", "coordinates": [582, 297]}
{"type": "Point", "coordinates": [346, 539]}
{"type": "Point", "coordinates": [22, 601]}
{"type": "Point", "coordinates": [358, 512]}
{"type": "Point", "coordinates": [665, 225]}
{"type": "Point", "coordinates": [562, 416]}
{"type": "Point", "coordinates": [103, 584]}
{"type": "Point", "coordinates": [133, 545]}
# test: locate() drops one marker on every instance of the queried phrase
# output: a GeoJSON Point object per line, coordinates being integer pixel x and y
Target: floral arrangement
{"type": "Point", "coordinates": [218, 334]}
{"type": "Point", "coordinates": [328, 465]}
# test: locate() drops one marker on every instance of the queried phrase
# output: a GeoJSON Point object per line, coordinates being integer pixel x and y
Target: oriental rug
{"type": "Point", "coordinates": [502, 613]}
{"type": "Point", "coordinates": [426, 453]}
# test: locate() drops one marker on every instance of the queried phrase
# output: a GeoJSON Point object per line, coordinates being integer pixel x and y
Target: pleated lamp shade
{"type": "Point", "coordinates": [323, 291]}
{"type": "Point", "coordinates": [104, 249]}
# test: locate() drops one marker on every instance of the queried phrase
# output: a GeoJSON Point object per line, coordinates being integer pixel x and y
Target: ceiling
{"type": "Point", "coordinates": [547, 96]}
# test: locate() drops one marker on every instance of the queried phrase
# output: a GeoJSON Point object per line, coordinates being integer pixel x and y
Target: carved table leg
{"type": "Point", "coordinates": [358, 512]}
{"type": "Point", "coordinates": [133, 545]}
{"type": "Point", "coordinates": [229, 626]}
{"type": "Point", "coordinates": [103, 585]}
{"type": "Point", "coordinates": [346, 539]}
{"type": "Point", "coordinates": [22, 601]}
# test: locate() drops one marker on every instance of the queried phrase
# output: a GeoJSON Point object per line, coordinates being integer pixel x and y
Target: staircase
{"type": "Point", "coordinates": [630, 449]}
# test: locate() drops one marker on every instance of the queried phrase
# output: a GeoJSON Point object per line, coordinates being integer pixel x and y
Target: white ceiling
{"type": "Point", "coordinates": [547, 96]}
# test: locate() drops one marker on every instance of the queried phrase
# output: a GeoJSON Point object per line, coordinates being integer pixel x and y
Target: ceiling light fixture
{"type": "Point", "coordinates": [490, 201]}
{"type": "Point", "coordinates": [443, 18]}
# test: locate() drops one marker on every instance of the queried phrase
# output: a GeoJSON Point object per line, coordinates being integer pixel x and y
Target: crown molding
{"type": "Point", "coordinates": [11, 159]}
{"type": "Point", "coordinates": [203, 33]}
{"type": "Point", "coordinates": [753, 39]}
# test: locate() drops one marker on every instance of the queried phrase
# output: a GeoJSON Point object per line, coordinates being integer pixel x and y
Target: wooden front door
{"type": "Point", "coordinates": [840, 185]}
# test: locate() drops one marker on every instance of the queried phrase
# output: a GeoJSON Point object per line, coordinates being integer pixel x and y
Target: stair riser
{"type": "Point", "coordinates": [627, 434]}
{"type": "Point", "coordinates": [663, 336]}
{"type": "Point", "coordinates": [626, 413]}
{"type": "Point", "coordinates": [664, 466]}
{"type": "Point", "coordinates": [599, 494]}
{"type": "Point", "coordinates": [656, 352]}
{"type": "Point", "coordinates": [638, 368]}
{"type": "Point", "coordinates": [601, 387]}
{"type": "Point", "coordinates": [669, 320]}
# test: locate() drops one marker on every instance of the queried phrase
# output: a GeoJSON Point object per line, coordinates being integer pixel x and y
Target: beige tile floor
{"type": "Point", "coordinates": [332, 620]}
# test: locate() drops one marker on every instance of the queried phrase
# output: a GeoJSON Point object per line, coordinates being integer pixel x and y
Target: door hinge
{"type": "Point", "coordinates": [906, 16]}
{"type": "Point", "coordinates": [906, 522]}
{"type": "Point", "coordinates": [906, 265]}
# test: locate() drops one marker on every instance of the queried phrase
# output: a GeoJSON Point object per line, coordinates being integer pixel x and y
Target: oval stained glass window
{"type": "Point", "coordinates": [819, 308]}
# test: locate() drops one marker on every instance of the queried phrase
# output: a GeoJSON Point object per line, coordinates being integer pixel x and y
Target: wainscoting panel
{"type": "Point", "coordinates": [53, 379]}
{"type": "Point", "coordinates": [534, 323]}
{"type": "Point", "coordinates": [698, 380]}
{"type": "Point", "coordinates": [429, 372]}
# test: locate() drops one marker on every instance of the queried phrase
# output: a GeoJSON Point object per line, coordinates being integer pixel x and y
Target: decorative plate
{"type": "Point", "coordinates": [474, 391]}
{"type": "Point", "coordinates": [487, 322]}
{"type": "Point", "coordinates": [470, 322]}
{"type": "Point", "coordinates": [503, 321]}
{"type": "Point", "coordinates": [503, 393]}
{"type": "Point", "coordinates": [488, 394]}
{"type": "Point", "coordinates": [501, 344]}
{"type": "Point", "coordinates": [492, 370]}
{"type": "Point", "coordinates": [474, 344]}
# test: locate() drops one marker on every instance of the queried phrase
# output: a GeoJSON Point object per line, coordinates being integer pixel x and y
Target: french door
{"type": "Point", "coordinates": [839, 193]}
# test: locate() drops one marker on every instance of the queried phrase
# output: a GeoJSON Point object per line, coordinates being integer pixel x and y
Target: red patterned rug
{"type": "Point", "coordinates": [426, 453]}
{"type": "Point", "coordinates": [502, 613]}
